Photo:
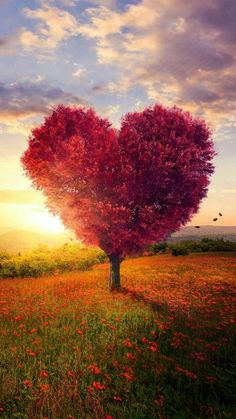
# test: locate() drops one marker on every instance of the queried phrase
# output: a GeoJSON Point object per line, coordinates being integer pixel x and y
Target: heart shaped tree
{"type": "Point", "coordinates": [121, 190]}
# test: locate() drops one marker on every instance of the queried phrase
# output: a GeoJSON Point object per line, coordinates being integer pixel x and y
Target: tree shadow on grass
{"type": "Point", "coordinates": [138, 296]}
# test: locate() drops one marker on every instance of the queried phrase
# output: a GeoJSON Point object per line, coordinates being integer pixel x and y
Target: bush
{"type": "Point", "coordinates": [8, 269]}
{"type": "Point", "coordinates": [186, 246]}
{"type": "Point", "coordinates": [101, 258]}
{"type": "Point", "coordinates": [221, 245]}
{"type": "Point", "coordinates": [43, 261]}
{"type": "Point", "coordinates": [180, 251]}
{"type": "Point", "coordinates": [4, 255]}
{"type": "Point", "coordinates": [158, 248]}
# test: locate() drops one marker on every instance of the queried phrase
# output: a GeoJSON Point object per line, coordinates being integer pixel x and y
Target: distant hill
{"type": "Point", "coordinates": [15, 241]}
{"type": "Point", "coordinates": [192, 233]}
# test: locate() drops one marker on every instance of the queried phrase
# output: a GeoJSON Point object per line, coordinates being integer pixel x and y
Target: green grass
{"type": "Point", "coordinates": [163, 347]}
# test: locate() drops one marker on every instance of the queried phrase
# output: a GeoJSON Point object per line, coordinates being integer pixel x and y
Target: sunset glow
{"type": "Point", "coordinates": [116, 56]}
{"type": "Point", "coordinates": [43, 221]}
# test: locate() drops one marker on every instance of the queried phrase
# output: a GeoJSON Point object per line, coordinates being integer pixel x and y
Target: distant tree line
{"type": "Point", "coordinates": [73, 257]}
{"type": "Point", "coordinates": [189, 246]}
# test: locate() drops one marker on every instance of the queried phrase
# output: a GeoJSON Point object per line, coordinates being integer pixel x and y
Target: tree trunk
{"type": "Point", "coordinates": [114, 272]}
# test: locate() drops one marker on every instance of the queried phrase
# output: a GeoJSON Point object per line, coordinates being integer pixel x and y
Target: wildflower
{"type": "Point", "coordinates": [70, 374]}
{"type": "Point", "coordinates": [28, 383]}
{"type": "Point", "coordinates": [130, 356]}
{"type": "Point", "coordinates": [112, 327]}
{"type": "Point", "coordinates": [160, 401]}
{"type": "Point", "coordinates": [31, 353]}
{"type": "Point", "coordinates": [33, 330]}
{"type": "Point", "coordinates": [21, 326]}
{"type": "Point", "coordinates": [43, 374]}
{"type": "Point", "coordinates": [198, 356]}
{"type": "Point", "coordinates": [98, 385]}
{"type": "Point", "coordinates": [18, 318]}
{"type": "Point", "coordinates": [127, 343]}
{"type": "Point", "coordinates": [117, 319]}
{"type": "Point", "coordinates": [127, 376]}
{"type": "Point", "coordinates": [117, 398]}
{"type": "Point", "coordinates": [44, 387]}
{"type": "Point", "coordinates": [153, 347]}
{"type": "Point", "coordinates": [187, 373]}
{"type": "Point", "coordinates": [79, 331]}
{"type": "Point", "coordinates": [176, 343]}
{"type": "Point", "coordinates": [94, 369]}
{"type": "Point", "coordinates": [115, 364]}
{"type": "Point", "coordinates": [162, 326]}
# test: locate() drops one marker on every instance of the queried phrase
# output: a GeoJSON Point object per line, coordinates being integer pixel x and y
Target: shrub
{"type": "Point", "coordinates": [220, 245]}
{"type": "Point", "coordinates": [8, 269]}
{"type": "Point", "coordinates": [180, 251]}
{"type": "Point", "coordinates": [158, 248]}
{"type": "Point", "coordinates": [101, 258]}
{"type": "Point", "coordinates": [45, 261]}
{"type": "Point", "coordinates": [4, 255]}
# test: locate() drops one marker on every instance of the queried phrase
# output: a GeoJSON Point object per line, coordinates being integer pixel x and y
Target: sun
{"type": "Point", "coordinates": [42, 220]}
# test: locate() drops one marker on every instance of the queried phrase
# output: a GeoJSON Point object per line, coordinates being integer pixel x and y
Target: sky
{"type": "Point", "coordinates": [115, 56]}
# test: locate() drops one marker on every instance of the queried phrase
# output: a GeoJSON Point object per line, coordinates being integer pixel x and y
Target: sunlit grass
{"type": "Point", "coordinates": [162, 347]}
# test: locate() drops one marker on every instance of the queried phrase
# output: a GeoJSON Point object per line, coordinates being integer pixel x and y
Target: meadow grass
{"type": "Point", "coordinates": [162, 347]}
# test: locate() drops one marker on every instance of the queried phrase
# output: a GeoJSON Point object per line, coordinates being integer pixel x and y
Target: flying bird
{"type": "Point", "coordinates": [215, 219]}
{"type": "Point", "coordinates": [220, 214]}
{"type": "Point", "coordinates": [197, 226]}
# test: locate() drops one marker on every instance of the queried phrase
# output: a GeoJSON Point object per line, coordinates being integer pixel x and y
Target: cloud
{"type": "Point", "coordinates": [110, 110]}
{"type": "Point", "coordinates": [54, 26]}
{"type": "Point", "coordinates": [80, 73]}
{"type": "Point", "coordinates": [3, 42]}
{"type": "Point", "coordinates": [21, 197]}
{"type": "Point", "coordinates": [16, 127]}
{"type": "Point", "coordinates": [153, 45]}
{"type": "Point", "coordinates": [24, 100]}
{"type": "Point", "coordinates": [98, 88]}
{"type": "Point", "coordinates": [8, 44]}
{"type": "Point", "coordinates": [109, 3]}
{"type": "Point", "coordinates": [73, 3]}
{"type": "Point", "coordinates": [21, 103]}
{"type": "Point", "coordinates": [67, 3]}
{"type": "Point", "coordinates": [219, 15]}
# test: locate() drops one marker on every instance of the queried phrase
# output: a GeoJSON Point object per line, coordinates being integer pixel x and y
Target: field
{"type": "Point", "coordinates": [162, 347]}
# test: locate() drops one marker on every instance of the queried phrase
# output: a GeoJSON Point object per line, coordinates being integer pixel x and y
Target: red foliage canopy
{"type": "Point", "coordinates": [121, 190]}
